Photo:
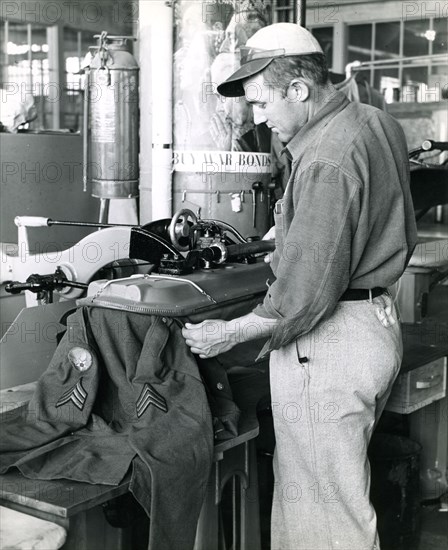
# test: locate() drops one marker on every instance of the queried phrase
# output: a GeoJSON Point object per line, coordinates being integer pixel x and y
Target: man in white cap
{"type": "Point", "coordinates": [345, 231]}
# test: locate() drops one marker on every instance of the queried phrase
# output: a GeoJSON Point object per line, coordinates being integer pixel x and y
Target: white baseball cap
{"type": "Point", "coordinates": [278, 40]}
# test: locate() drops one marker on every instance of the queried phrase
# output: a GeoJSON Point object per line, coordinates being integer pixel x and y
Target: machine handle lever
{"type": "Point", "coordinates": [428, 145]}
{"type": "Point", "coordinates": [15, 287]}
{"type": "Point", "coordinates": [440, 145]}
{"type": "Point", "coordinates": [255, 247]}
{"type": "Point", "coordinates": [39, 283]}
{"type": "Point", "coordinates": [31, 221]}
{"type": "Point", "coordinates": [215, 253]}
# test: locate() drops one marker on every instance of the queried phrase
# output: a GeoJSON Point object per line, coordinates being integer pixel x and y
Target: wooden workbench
{"type": "Point", "coordinates": [76, 506]}
{"type": "Point", "coordinates": [423, 343]}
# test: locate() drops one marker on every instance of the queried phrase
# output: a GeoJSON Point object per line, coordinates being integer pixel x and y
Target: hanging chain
{"type": "Point", "coordinates": [102, 49]}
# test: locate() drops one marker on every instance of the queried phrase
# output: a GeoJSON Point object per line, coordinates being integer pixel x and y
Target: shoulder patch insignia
{"type": "Point", "coordinates": [149, 396]}
{"type": "Point", "coordinates": [80, 358]}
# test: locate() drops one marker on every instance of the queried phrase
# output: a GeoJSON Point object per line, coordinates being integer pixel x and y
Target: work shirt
{"type": "Point", "coordinates": [346, 219]}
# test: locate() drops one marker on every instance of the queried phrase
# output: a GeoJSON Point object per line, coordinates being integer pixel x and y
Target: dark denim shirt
{"type": "Point", "coordinates": [346, 219]}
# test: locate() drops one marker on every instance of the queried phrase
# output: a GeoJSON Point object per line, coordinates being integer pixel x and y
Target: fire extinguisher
{"type": "Point", "coordinates": [111, 122]}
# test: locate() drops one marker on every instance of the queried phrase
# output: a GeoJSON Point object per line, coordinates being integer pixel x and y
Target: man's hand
{"type": "Point", "coordinates": [215, 336]}
{"type": "Point", "coordinates": [221, 132]}
{"type": "Point", "coordinates": [209, 338]}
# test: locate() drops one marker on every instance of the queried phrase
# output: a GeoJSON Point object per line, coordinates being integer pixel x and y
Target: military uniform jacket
{"type": "Point", "coordinates": [122, 392]}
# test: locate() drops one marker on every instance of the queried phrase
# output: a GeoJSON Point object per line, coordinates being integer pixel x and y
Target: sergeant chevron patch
{"type": "Point", "coordinates": [77, 395]}
{"type": "Point", "coordinates": [149, 396]}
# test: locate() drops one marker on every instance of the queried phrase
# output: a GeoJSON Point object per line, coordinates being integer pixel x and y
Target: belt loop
{"type": "Point", "coordinates": [370, 296]}
{"type": "Point", "coordinates": [278, 207]}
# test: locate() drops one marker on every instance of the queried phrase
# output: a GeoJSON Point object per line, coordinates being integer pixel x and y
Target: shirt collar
{"type": "Point", "coordinates": [335, 102]}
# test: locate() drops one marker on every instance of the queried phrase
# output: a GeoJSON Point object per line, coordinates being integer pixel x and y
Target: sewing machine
{"type": "Point", "coordinates": [179, 266]}
{"type": "Point", "coordinates": [182, 266]}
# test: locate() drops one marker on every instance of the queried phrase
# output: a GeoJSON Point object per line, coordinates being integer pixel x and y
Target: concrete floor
{"type": "Point", "coordinates": [433, 535]}
{"type": "Point", "coordinates": [434, 532]}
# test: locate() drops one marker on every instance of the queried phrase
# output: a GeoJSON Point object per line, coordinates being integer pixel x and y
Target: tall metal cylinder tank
{"type": "Point", "coordinates": [112, 107]}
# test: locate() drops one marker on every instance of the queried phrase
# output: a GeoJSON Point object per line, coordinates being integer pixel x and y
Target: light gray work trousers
{"type": "Point", "coordinates": [325, 407]}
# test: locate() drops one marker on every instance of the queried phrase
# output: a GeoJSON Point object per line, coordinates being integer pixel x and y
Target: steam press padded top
{"type": "Point", "coordinates": [175, 296]}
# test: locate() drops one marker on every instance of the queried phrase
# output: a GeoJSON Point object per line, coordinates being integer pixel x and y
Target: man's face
{"type": "Point", "coordinates": [234, 109]}
{"type": "Point", "coordinates": [284, 115]}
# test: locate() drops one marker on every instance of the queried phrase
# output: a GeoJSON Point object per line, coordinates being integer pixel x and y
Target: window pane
{"type": "Point", "coordinates": [87, 41]}
{"type": "Point", "coordinates": [28, 68]}
{"type": "Point", "coordinates": [414, 89]}
{"type": "Point", "coordinates": [17, 49]}
{"type": "Point", "coordinates": [415, 41]}
{"type": "Point", "coordinates": [41, 78]}
{"type": "Point", "coordinates": [72, 101]}
{"type": "Point", "coordinates": [283, 16]}
{"type": "Point", "coordinates": [72, 59]}
{"type": "Point", "coordinates": [415, 75]}
{"type": "Point", "coordinates": [324, 36]}
{"type": "Point", "coordinates": [70, 42]}
{"type": "Point", "coordinates": [385, 78]}
{"type": "Point", "coordinates": [440, 40]}
{"type": "Point", "coordinates": [39, 64]}
{"type": "Point", "coordinates": [359, 42]}
{"type": "Point", "coordinates": [284, 11]}
{"type": "Point", "coordinates": [3, 71]}
{"type": "Point", "coordinates": [387, 40]}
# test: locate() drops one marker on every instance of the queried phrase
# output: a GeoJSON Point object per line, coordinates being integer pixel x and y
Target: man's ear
{"type": "Point", "coordinates": [298, 90]}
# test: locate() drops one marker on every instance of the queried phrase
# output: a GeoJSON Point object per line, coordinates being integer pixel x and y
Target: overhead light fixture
{"type": "Point", "coordinates": [430, 35]}
{"type": "Point", "coordinates": [16, 49]}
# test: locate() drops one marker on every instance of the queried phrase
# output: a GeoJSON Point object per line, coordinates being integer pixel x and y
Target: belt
{"type": "Point", "coordinates": [361, 293]}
